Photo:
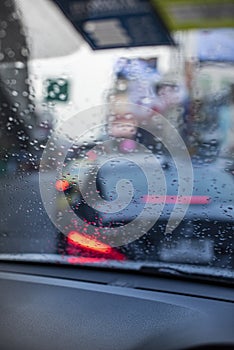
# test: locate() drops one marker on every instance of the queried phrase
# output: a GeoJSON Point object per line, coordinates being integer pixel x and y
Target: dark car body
{"type": "Point", "coordinates": [204, 235]}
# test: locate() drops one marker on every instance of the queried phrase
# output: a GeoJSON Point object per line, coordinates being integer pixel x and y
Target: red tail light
{"type": "Point", "coordinates": [62, 185]}
{"type": "Point", "coordinates": [92, 245]}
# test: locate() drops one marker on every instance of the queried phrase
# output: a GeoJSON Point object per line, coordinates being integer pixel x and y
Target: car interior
{"type": "Point", "coordinates": [116, 174]}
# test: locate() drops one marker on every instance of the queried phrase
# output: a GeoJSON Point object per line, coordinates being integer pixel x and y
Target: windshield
{"type": "Point", "coordinates": [121, 157]}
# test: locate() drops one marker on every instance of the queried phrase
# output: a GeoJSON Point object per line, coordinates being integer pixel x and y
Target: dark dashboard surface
{"type": "Point", "coordinates": [56, 307]}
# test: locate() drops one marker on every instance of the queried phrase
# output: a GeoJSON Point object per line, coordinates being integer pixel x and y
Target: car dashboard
{"type": "Point", "coordinates": [58, 307]}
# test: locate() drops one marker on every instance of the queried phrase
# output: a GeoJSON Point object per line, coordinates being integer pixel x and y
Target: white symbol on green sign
{"type": "Point", "coordinates": [57, 90]}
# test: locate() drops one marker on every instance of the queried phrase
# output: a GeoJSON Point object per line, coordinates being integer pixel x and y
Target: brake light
{"type": "Point", "coordinates": [62, 185]}
{"type": "Point", "coordinates": [176, 199]}
{"type": "Point", "coordinates": [84, 241]}
{"type": "Point", "coordinates": [92, 245]}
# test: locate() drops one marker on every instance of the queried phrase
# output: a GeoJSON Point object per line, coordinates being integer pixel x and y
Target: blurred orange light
{"type": "Point", "coordinates": [86, 242]}
{"type": "Point", "coordinates": [62, 185]}
{"type": "Point", "coordinates": [94, 246]}
{"type": "Point", "coordinates": [84, 260]}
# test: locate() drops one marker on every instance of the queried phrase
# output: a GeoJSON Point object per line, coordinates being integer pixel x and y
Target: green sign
{"type": "Point", "coordinates": [57, 90]}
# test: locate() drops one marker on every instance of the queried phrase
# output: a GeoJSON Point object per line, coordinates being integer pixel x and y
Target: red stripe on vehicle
{"type": "Point", "coordinates": [176, 199]}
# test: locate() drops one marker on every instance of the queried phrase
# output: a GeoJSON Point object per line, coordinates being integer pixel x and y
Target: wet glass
{"type": "Point", "coordinates": [124, 155]}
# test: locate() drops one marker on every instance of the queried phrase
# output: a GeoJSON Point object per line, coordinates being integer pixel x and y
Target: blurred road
{"type": "Point", "coordinates": [24, 224]}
